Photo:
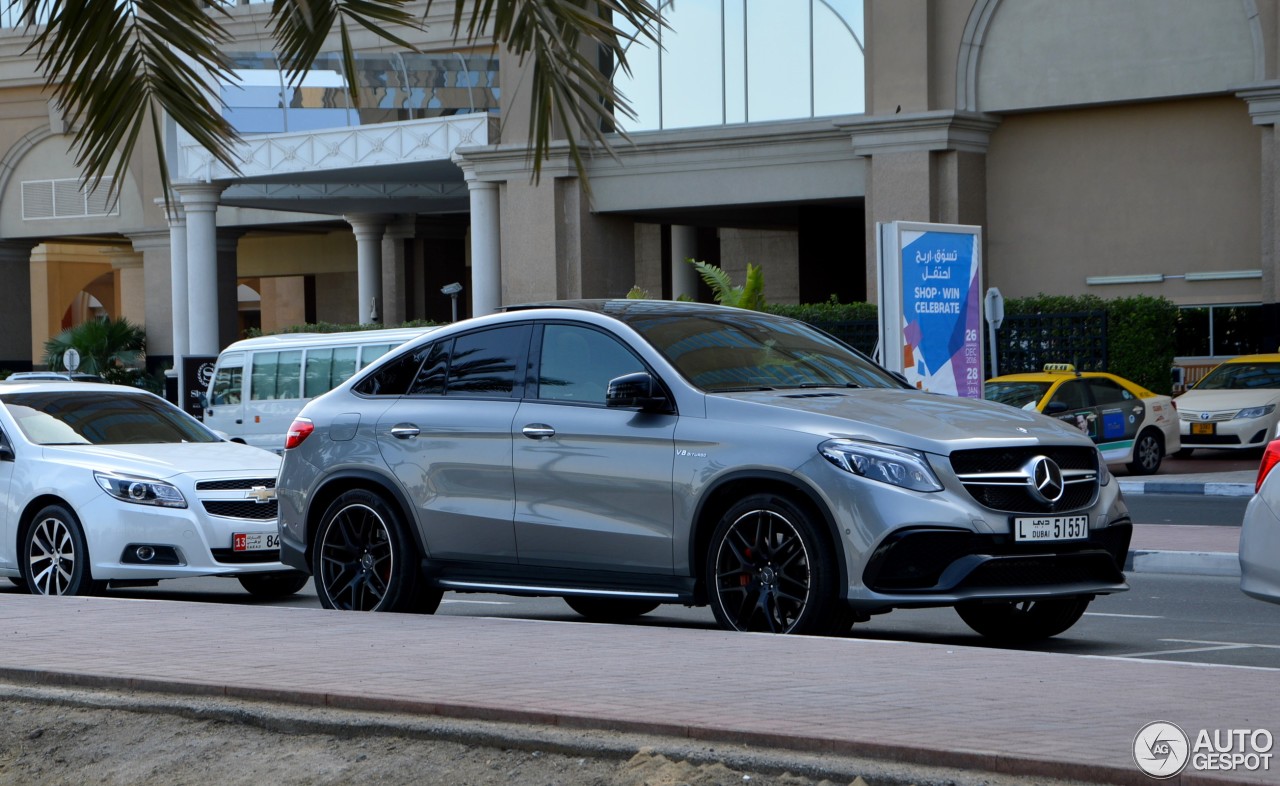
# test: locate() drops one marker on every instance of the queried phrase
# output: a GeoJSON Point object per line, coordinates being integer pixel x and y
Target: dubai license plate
{"type": "Point", "coordinates": [1202, 428]}
{"type": "Point", "coordinates": [1047, 528]}
{"type": "Point", "coordinates": [255, 541]}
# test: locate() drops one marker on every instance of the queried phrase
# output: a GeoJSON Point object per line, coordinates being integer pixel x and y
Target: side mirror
{"type": "Point", "coordinates": [6, 452]}
{"type": "Point", "coordinates": [636, 391]}
{"type": "Point", "coordinates": [1055, 408]}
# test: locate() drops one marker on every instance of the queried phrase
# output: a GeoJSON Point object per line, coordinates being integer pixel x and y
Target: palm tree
{"type": "Point", "coordinates": [110, 347]}
{"type": "Point", "coordinates": [114, 67]}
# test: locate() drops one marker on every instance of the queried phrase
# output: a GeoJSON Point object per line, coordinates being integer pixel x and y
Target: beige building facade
{"type": "Point", "coordinates": [1105, 147]}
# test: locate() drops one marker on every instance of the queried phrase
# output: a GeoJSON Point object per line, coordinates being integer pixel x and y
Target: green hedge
{"type": "Point", "coordinates": [830, 311]}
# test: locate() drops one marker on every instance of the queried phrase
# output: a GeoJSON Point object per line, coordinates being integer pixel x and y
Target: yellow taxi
{"type": "Point", "coordinates": [1129, 424]}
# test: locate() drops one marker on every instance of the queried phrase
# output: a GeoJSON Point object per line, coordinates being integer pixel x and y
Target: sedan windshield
{"type": "Point", "coordinates": [757, 352]}
{"type": "Point", "coordinates": [1242, 376]}
{"type": "Point", "coordinates": [98, 418]}
{"type": "Point", "coordinates": [1024, 395]}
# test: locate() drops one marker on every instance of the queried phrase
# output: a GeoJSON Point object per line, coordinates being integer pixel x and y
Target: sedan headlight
{"type": "Point", "coordinates": [1104, 472]}
{"type": "Point", "coordinates": [895, 466]}
{"type": "Point", "coordinates": [140, 490]}
{"type": "Point", "coordinates": [1256, 412]}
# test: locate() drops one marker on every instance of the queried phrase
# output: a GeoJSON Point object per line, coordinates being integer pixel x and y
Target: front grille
{"type": "Point", "coordinates": [258, 511]}
{"type": "Point", "coordinates": [235, 485]}
{"type": "Point", "coordinates": [937, 560]}
{"type": "Point", "coordinates": [1214, 417]}
{"type": "Point", "coordinates": [996, 479]}
{"type": "Point", "coordinates": [229, 557]}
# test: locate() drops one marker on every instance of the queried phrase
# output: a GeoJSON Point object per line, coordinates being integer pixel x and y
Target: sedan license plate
{"type": "Point", "coordinates": [1202, 428]}
{"type": "Point", "coordinates": [1047, 528]}
{"type": "Point", "coordinates": [255, 541]}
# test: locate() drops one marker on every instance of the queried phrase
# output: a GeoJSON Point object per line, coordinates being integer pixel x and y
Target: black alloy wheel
{"type": "Point", "coordinates": [1023, 621]}
{"type": "Point", "coordinates": [769, 570]}
{"type": "Point", "coordinates": [365, 560]}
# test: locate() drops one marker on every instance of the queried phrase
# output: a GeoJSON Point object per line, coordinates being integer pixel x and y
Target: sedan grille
{"type": "Point", "coordinates": [240, 498]}
{"type": "Point", "coordinates": [1004, 478]}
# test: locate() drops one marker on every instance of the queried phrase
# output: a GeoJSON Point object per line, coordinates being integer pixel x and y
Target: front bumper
{"type": "Point", "coordinates": [1228, 434]}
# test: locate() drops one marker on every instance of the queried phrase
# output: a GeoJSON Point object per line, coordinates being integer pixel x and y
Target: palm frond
{"type": "Point", "coordinates": [722, 288]}
{"type": "Point", "coordinates": [569, 89]}
{"type": "Point", "coordinates": [113, 67]}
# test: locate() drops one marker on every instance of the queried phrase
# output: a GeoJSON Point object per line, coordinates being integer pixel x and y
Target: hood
{"type": "Point", "coordinates": [928, 422]}
{"type": "Point", "coordinates": [1218, 400]}
{"type": "Point", "coordinates": [195, 459]}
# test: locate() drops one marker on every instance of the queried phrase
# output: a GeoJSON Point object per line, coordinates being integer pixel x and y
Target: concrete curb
{"type": "Point", "coordinates": [1188, 563]}
{"type": "Point", "coordinates": [1211, 489]}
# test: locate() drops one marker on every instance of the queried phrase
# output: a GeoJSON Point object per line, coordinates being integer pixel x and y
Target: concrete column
{"type": "Point", "coordinates": [368, 228]}
{"type": "Point", "coordinates": [15, 305]}
{"type": "Point", "coordinates": [181, 315]}
{"type": "Point", "coordinates": [157, 291]}
{"type": "Point", "coordinates": [394, 258]}
{"type": "Point", "coordinates": [200, 202]}
{"type": "Point", "coordinates": [228, 287]}
{"type": "Point", "coordinates": [684, 246]}
{"type": "Point", "coordinates": [131, 287]}
{"type": "Point", "coordinates": [486, 241]}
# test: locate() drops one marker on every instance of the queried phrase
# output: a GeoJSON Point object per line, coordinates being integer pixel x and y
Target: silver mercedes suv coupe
{"type": "Point", "coordinates": [623, 454]}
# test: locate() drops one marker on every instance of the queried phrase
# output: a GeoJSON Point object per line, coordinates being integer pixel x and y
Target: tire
{"type": "Point", "coordinates": [365, 559]}
{"type": "Point", "coordinates": [1184, 453]}
{"type": "Point", "coordinates": [769, 569]}
{"type": "Point", "coordinates": [1148, 451]}
{"type": "Point", "coordinates": [273, 585]}
{"type": "Point", "coordinates": [55, 556]}
{"type": "Point", "coordinates": [1023, 621]}
{"type": "Point", "coordinates": [610, 609]}
{"type": "Point", "coordinates": [18, 582]}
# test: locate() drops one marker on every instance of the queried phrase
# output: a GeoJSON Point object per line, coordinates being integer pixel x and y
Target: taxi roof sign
{"type": "Point", "coordinates": [1050, 367]}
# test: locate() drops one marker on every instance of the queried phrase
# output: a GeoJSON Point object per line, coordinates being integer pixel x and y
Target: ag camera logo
{"type": "Point", "coordinates": [1160, 749]}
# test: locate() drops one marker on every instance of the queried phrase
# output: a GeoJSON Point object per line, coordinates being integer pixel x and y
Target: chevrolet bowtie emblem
{"type": "Point", "coordinates": [260, 494]}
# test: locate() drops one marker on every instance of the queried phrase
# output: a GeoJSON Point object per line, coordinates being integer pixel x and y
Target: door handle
{"type": "Point", "coordinates": [538, 431]}
{"type": "Point", "coordinates": [405, 431]}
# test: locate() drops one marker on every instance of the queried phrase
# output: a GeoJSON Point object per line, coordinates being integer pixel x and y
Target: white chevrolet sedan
{"type": "Point", "coordinates": [105, 485]}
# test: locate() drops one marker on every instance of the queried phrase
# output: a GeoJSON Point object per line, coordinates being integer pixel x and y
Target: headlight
{"type": "Point", "coordinates": [140, 490]}
{"type": "Point", "coordinates": [1104, 472]}
{"type": "Point", "coordinates": [1256, 412]}
{"type": "Point", "coordinates": [895, 466]}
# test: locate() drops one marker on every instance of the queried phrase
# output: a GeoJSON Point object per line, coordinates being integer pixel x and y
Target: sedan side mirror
{"type": "Point", "coordinates": [6, 452]}
{"type": "Point", "coordinates": [636, 391]}
{"type": "Point", "coordinates": [1055, 408]}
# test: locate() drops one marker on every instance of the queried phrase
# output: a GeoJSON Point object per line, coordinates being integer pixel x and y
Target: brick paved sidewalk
{"type": "Point", "coordinates": [1030, 714]}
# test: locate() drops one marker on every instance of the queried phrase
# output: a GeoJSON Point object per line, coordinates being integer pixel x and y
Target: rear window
{"type": "Point", "coordinates": [101, 418]}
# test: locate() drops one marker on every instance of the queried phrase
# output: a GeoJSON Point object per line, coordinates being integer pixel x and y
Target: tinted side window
{"type": "Point", "coordinates": [488, 362]}
{"type": "Point", "coordinates": [1072, 395]}
{"type": "Point", "coordinates": [577, 364]}
{"type": "Point", "coordinates": [393, 377]}
{"type": "Point", "coordinates": [327, 368]}
{"type": "Point", "coordinates": [1107, 392]}
{"type": "Point", "coordinates": [435, 369]}
{"type": "Point", "coordinates": [372, 352]}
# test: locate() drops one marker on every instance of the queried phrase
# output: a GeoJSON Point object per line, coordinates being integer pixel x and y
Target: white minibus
{"type": "Point", "coordinates": [259, 384]}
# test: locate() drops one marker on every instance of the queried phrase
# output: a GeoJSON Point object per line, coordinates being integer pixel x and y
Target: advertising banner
{"type": "Point", "coordinates": [930, 308]}
{"type": "Point", "coordinates": [197, 371]}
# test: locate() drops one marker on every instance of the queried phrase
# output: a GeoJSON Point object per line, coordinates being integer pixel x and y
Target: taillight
{"type": "Point", "coordinates": [1270, 457]}
{"type": "Point", "coordinates": [299, 430]}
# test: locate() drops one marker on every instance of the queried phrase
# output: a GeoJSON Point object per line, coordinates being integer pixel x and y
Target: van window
{"type": "Point", "coordinates": [276, 375]}
{"type": "Point", "coordinates": [372, 352]}
{"type": "Point", "coordinates": [328, 368]}
{"type": "Point", "coordinates": [228, 383]}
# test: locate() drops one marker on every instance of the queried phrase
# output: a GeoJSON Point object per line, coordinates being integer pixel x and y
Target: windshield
{"type": "Point", "coordinates": [1024, 395]}
{"type": "Point", "coordinates": [1242, 376]}
{"type": "Point", "coordinates": [757, 352]}
{"type": "Point", "coordinates": [99, 418]}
